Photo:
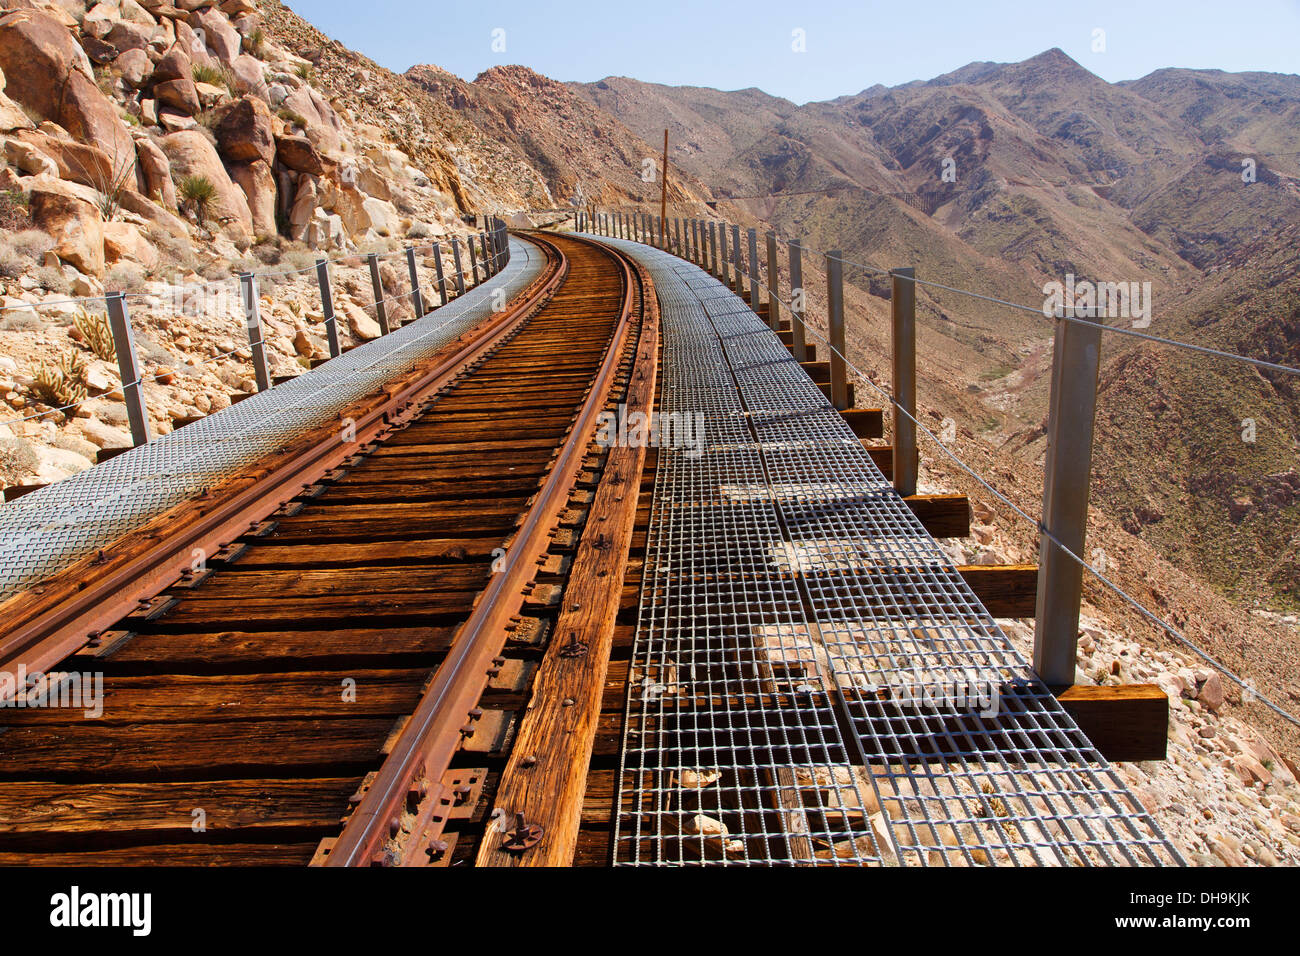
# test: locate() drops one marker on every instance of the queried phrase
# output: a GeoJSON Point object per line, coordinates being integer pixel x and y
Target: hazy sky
{"type": "Point", "coordinates": [848, 46]}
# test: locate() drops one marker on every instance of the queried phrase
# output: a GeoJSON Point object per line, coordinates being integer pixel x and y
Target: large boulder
{"type": "Point", "coordinates": [77, 162]}
{"type": "Point", "coordinates": [136, 13]}
{"type": "Point", "coordinates": [249, 77]}
{"type": "Point", "coordinates": [30, 158]}
{"type": "Point", "coordinates": [155, 172]}
{"type": "Point", "coordinates": [324, 128]}
{"type": "Point", "coordinates": [12, 116]}
{"type": "Point", "coordinates": [176, 64]}
{"type": "Point", "coordinates": [155, 215]}
{"type": "Point", "coordinates": [180, 95]}
{"type": "Point", "coordinates": [194, 45]}
{"type": "Point", "coordinates": [190, 154]}
{"type": "Point", "coordinates": [48, 71]}
{"type": "Point", "coordinates": [123, 240]}
{"type": "Point", "coordinates": [37, 50]}
{"type": "Point", "coordinates": [75, 227]}
{"type": "Point", "coordinates": [218, 34]}
{"type": "Point", "coordinates": [298, 154]}
{"type": "Point", "coordinates": [125, 35]}
{"type": "Point", "coordinates": [245, 133]}
{"type": "Point", "coordinates": [360, 213]}
{"type": "Point", "coordinates": [258, 183]}
{"type": "Point", "coordinates": [134, 66]}
{"type": "Point", "coordinates": [305, 201]}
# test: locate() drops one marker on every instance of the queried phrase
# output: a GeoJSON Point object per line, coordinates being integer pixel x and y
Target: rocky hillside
{"type": "Point", "coordinates": [160, 148]}
{"type": "Point", "coordinates": [1054, 171]}
{"type": "Point", "coordinates": [582, 153]}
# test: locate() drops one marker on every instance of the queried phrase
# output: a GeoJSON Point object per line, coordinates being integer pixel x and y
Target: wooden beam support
{"type": "Point", "coordinates": [1129, 722]}
{"type": "Point", "coordinates": [944, 516]}
{"type": "Point", "coordinates": [818, 371]}
{"type": "Point", "coordinates": [882, 456]}
{"type": "Point", "coordinates": [1007, 590]}
{"type": "Point", "coordinates": [546, 776]}
{"type": "Point", "coordinates": [827, 391]}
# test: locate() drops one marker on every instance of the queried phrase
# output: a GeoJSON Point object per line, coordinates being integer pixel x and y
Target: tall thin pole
{"type": "Point", "coordinates": [903, 309]}
{"type": "Point", "coordinates": [835, 328]}
{"type": "Point", "coordinates": [663, 196]}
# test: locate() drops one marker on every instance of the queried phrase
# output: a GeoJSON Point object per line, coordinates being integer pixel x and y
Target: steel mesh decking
{"type": "Point", "coordinates": [813, 680]}
{"type": "Point", "coordinates": [53, 527]}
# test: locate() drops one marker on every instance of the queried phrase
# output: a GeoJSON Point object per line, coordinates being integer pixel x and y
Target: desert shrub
{"type": "Point", "coordinates": [216, 270]}
{"type": "Point", "coordinates": [418, 230]}
{"type": "Point", "coordinates": [214, 75]}
{"type": "Point", "coordinates": [255, 43]}
{"type": "Point", "coordinates": [95, 330]}
{"type": "Point", "coordinates": [32, 243]}
{"type": "Point", "coordinates": [304, 71]}
{"type": "Point", "coordinates": [298, 256]}
{"type": "Point", "coordinates": [125, 277]}
{"type": "Point", "coordinates": [52, 278]}
{"type": "Point", "coordinates": [291, 117]}
{"type": "Point", "coordinates": [198, 192]}
{"type": "Point", "coordinates": [20, 251]}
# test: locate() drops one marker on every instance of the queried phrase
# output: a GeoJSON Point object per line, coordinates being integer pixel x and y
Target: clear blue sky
{"type": "Point", "coordinates": [849, 46]}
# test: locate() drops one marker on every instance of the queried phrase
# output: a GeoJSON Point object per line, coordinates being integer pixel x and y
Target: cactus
{"type": "Point", "coordinates": [62, 385]}
{"type": "Point", "coordinates": [95, 330]}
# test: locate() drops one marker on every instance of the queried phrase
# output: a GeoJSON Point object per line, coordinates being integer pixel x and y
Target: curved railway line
{"type": "Point", "coordinates": [342, 681]}
{"type": "Point", "coordinates": [460, 625]}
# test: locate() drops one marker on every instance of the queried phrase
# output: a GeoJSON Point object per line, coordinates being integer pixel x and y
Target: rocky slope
{"type": "Point", "coordinates": [161, 148]}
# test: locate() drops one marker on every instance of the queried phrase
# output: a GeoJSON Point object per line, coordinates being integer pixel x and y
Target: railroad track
{"type": "Point", "coordinates": [358, 672]}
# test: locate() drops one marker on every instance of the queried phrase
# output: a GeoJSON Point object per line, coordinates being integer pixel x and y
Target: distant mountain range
{"type": "Point", "coordinates": [1053, 171]}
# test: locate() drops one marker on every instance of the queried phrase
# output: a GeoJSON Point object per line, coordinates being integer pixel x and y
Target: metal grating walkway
{"type": "Point", "coordinates": [812, 680]}
{"type": "Point", "coordinates": [51, 528]}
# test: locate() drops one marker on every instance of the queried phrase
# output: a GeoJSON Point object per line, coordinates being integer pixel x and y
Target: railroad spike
{"type": "Point", "coordinates": [524, 836]}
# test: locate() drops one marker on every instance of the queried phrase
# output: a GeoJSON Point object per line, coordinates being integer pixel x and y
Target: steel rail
{"type": "Point", "coordinates": [427, 742]}
{"type": "Point", "coordinates": [56, 617]}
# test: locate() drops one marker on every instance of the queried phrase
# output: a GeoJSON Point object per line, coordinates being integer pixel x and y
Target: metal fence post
{"type": "Point", "coordinates": [694, 251]}
{"type": "Point", "coordinates": [773, 284]}
{"type": "Point", "coordinates": [903, 338]}
{"type": "Point", "coordinates": [460, 272]}
{"type": "Point", "coordinates": [483, 253]}
{"type": "Point", "coordinates": [128, 366]}
{"type": "Point", "coordinates": [1075, 363]}
{"type": "Point", "coordinates": [442, 279]}
{"type": "Point", "coordinates": [713, 245]}
{"type": "Point", "coordinates": [753, 270]}
{"type": "Point", "coordinates": [253, 322]}
{"type": "Point", "coordinates": [681, 249]}
{"type": "Point", "coordinates": [381, 307]}
{"type": "Point", "coordinates": [835, 329]}
{"type": "Point", "coordinates": [797, 300]}
{"type": "Point", "coordinates": [327, 306]}
{"type": "Point", "coordinates": [417, 299]}
{"type": "Point", "coordinates": [473, 257]}
{"type": "Point", "coordinates": [738, 260]}
{"type": "Point", "coordinates": [725, 276]}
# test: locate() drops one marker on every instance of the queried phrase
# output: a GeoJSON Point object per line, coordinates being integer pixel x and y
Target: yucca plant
{"type": "Point", "coordinates": [198, 193]}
